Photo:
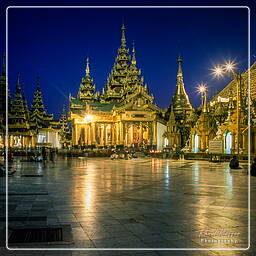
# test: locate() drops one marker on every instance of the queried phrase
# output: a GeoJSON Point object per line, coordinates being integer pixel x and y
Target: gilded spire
{"type": "Point", "coordinates": [3, 65]}
{"type": "Point", "coordinates": [180, 83]}
{"type": "Point", "coordinates": [205, 102]}
{"type": "Point", "coordinates": [86, 91]}
{"type": "Point", "coordinates": [179, 67]}
{"type": "Point", "coordinates": [87, 69]}
{"type": "Point", "coordinates": [180, 100]}
{"type": "Point", "coordinates": [133, 55]}
{"type": "Point", "coordinates": [123, 40]}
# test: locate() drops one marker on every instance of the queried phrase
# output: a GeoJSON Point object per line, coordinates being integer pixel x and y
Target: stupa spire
{"type": "Point", "coordinates": [180, 100]}
{"type": "Point", "coordinates": [179, 67]}
{"type": "Point", "coordinates": [86, 91]}
{"type": "Point", "coordinates": [87, 69]}
{"type": "Point", "coordinates": [123, 40]}
{"type": "Point", "coordinates": [205, 102]}
{"type": "Point", "coordinates": [133, 54]}
{"type": "Point", "coordinates": [180, 85]}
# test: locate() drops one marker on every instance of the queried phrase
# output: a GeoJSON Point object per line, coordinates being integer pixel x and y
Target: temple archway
{"type": "Point", "coordinates": [228, 142]}
{"type": "Point", "coordinates": [196, 143]}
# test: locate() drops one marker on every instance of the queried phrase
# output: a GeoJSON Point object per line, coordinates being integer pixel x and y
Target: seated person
{"type": "Point", "coordinates": [253, 167]}
{"type": "Point", "coordinates": [234, 163]}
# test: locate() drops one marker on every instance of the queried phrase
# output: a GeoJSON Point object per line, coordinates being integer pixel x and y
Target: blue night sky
{"type": "Point", "coordinates": [54, 43]}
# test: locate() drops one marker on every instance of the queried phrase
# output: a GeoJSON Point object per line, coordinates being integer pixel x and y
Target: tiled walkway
{"type": "Point", "coordinates": [138, 203]}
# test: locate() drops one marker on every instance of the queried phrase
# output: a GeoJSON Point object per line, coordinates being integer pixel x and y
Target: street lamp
{"type": "Point", "coordinates": [229, 68]}
{"type": "Point", "coordinates": [202, 89]}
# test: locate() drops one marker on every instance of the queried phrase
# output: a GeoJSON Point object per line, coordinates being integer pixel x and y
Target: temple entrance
{"type": "Point", "coordinates": [17, 141]}
{"type": "Point", "coordinates": [196, 144]}
{"type": "Point", "coordinates": [137, 135]}
{"type": "Point", "coordinates": [228, 143]}
{"type": "Point", "coordinates": [166, 142]}
{"type": "Point", "coordinates": [41, 138]}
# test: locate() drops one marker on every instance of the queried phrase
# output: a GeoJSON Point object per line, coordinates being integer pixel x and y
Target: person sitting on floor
{"type": "Point", "coordinates": [253, 167]}
{"type": "Point", "coordinates": [234, 163]}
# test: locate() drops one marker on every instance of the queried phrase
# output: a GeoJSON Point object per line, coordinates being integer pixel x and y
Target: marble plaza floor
{"type": "Point", "coordinates": [138, 203]}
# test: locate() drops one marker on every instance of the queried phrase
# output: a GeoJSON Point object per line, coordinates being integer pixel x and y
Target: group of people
{"type": "Point", "coordinates": [43, 155]}
{"type": "Point", "coordinates": [123, 155]}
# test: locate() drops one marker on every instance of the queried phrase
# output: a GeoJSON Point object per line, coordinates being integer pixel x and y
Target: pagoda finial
{"type": "Point", "coordinates": [205, 102]}
{"type": "Point", "coordinates": [87, 69]}
{"type": "Point", "coordinates": [133, 54]}
{"type": "Point", "coordinates": [179, 66]}
{"type": "Point", "coordinates": [123, 40]}
{"type": "Point", "coordinates": [3, 65]}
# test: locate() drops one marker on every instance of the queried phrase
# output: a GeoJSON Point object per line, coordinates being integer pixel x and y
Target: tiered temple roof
{"type": "Point", "coordinates": [38, 116]}
{"type": "Point", "coordinates": [18, 119]}
{"type": "Point", "coordinates": [117, 80]}
{"type": "Point", "coordinates": [124, 80]}
{"type": "Point", "coordinates": [87, 88]}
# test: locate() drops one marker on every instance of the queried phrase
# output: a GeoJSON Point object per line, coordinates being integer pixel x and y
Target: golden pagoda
{"type": "Point", "coordinates": [123, 114]}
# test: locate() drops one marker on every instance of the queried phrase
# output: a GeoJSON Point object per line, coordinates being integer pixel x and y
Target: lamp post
{"type": "Point", "coordinates": [202, 89]}
{"type": "Point", "coordinates": [229, 68]}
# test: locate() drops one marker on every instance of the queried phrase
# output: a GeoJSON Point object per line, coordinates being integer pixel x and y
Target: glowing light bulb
{"type": "Point", "coordinates": [217, 71]}
{"type": "Point", "coordinates": [229, 66]}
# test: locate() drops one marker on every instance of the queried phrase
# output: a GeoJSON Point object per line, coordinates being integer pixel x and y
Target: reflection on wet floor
{"type": "Point", "coordinates": [138, 203]}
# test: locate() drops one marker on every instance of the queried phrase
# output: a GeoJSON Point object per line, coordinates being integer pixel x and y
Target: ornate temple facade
{"type": "Point", "coordinates": [225, 117]}
{"type": "Point", "coordinates": [123, 113]}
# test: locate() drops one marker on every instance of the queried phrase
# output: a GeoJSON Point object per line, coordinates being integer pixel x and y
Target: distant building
{"type": "Point", "coordinates": [27, 127]}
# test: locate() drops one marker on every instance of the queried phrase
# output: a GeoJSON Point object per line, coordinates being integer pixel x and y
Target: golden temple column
{"type": "Point", "coordinates": [121, 133]}
{"type": "Point", "coordinates": [125, 134]}
{"type": "Point", "coordinates": [117, 133]}
{"type": "Point", "coordinates": [11, 141]}
{"type": "Point", "coordinates": [85, 135]}
{"type": "Point", "coordinates": [105, 134]}
{"type": "Point", "coordinates": [206, 141]}
{"type": "Point", "coordinates": [102, 135]}
{"type": "Point", "coordinates": [132, 134]}
{"type": "Point", "coordinates": [202, 141]}
{"type": "Point", "coordinates": [93, 134]}
{"type": "Point", "coordinates": [89, 134]}
{"type": "Point", "coordinates": [141, 133]}
{"type": "Point", "coordinates": [154, 133]}
{"type": "Point", "coordinates": [73, 134]}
